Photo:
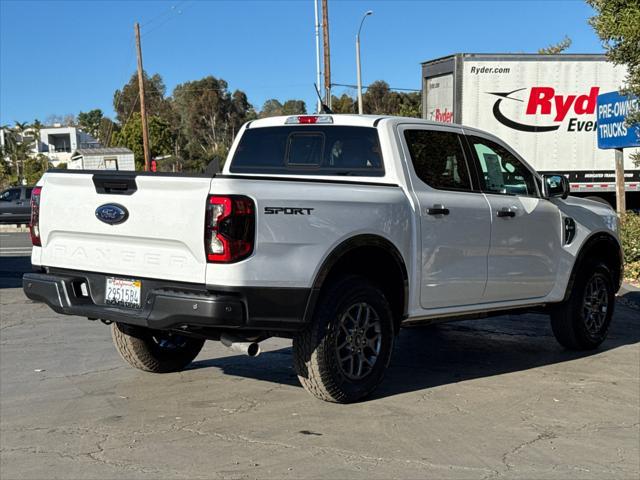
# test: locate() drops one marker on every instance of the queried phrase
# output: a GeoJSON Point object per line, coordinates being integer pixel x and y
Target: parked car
{"type": "Point", "coordinates": [15, 205]}
{"type": "Point", "coordinates": [332, 230]}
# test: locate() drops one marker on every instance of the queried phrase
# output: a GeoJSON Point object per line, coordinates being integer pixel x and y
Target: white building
{"type": "Point", "coordinates": [114, 158]}
{"type": "Point", "coordinates": [58, 143]}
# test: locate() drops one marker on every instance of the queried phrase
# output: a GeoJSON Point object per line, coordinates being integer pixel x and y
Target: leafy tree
{"type": "Point", "coordinates": [344, 104]}
{"type": "Point", "coordinates": [554, 48]}
{"type": "Point", "coordinates": [127, 100]}
{"type": "Point", "coordinates": [617, 23]}
{"type": "Point", "coordinates": [34, 168]}
{"type": "Point", "coordinates": [271, 108]}
{"type": "Point", "coordinates": [208, 118]}
{"type": "Point", "coordinates": [130, 136]}
{"type": "Point", "coordinates": [90, 122]}
{"type": "Point", "coordinates": [410, 104]}
{"type": "Point", "coordinates": [294, 107]}
{"type": "Point", "coordinates": [107, 129]}
{"type": "Point", "coordinates": [380, 100]}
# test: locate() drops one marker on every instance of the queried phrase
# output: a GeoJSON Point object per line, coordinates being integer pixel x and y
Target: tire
{"type": "Point", "coordinates": [332, 335]}
{"type": "Point", "coordinates": [154, 350]}
{"type": "Point", "coordinates": [582, 321]}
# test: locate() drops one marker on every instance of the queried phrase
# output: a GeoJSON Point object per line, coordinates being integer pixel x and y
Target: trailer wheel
{"type": "Point", "coordinates": [153, 350]}
{"type": "Point", "coordinates": [342, 356]}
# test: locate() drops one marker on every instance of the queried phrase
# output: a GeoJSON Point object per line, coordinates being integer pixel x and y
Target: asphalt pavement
{"type": "Point", "coordinates": [14, 244]}
{"type": "Point", "coordinates": [476, 399]}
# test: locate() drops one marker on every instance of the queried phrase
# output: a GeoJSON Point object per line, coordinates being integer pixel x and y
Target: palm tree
{"type": "Point", "coordinates": [21, 149]}
{"type": "Point", "coordinates": [36, 126]}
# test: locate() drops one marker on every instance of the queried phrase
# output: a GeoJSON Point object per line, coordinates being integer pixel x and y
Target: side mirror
{"type": "Point", "coordinates": [555, 186]}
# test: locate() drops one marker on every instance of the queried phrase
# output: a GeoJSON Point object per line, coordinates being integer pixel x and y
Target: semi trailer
{"type": "Point", "coordinates": [544, 106]}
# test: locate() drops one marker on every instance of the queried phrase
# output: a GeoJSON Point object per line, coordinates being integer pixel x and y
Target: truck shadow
{"type": "Point", "coordinates": [428, 357]}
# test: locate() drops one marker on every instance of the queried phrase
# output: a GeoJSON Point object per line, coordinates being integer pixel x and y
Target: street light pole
{"type": "Point", "coordinates": [360, 110]}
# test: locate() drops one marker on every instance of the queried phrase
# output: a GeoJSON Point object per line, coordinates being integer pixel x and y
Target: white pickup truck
{"type": "Point", "coordinates": [332, 230]}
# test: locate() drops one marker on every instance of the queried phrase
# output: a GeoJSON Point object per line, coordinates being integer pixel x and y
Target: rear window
{"type": "Point", "coordinates": [310, 150]}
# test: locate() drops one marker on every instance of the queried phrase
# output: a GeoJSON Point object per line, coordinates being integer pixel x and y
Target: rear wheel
{"type": "Point", "coordinates": [582, 322]}
{"type": "Point", "coordinates": [154, 350]}
{"type": "Point", "coordinates": [344, 353]}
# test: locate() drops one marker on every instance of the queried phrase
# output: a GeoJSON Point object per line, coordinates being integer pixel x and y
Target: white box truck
{"type": "Point", "coordinates": [544, 106]}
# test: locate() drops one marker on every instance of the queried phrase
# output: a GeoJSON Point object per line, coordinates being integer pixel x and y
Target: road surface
{"type": "Point", "coordinates": [477, 399]}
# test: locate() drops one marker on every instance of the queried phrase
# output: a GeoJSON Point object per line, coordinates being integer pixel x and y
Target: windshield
{"type": "Point", "coordinates": [310, 150]}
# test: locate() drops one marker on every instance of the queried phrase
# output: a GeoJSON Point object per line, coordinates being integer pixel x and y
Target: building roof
{"type": "Point", "coordinates": [92, 152]}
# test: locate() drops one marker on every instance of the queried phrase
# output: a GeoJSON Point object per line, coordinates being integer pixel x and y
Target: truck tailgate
{"type": "Point", "coordinates": [161, 238]}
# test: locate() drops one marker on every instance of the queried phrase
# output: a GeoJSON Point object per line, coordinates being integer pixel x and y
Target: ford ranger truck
{"type": "Point", "coordinates": [332, 230]}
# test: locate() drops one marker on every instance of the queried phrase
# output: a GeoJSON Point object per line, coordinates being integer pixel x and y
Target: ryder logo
{"type": "Point", "coordinates": [545, 101]}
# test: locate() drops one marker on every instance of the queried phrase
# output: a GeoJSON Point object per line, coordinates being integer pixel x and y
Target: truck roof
{"type": "Point", "coordinates": [555, 57]}
{"type": "Point", "coordinates": [346, 119]}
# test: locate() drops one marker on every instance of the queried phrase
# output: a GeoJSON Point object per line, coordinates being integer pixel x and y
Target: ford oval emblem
{"type": "Point", "coordinates": [112, 213]}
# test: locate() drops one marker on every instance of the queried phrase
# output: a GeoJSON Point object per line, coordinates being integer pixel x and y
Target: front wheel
{"type": "Point", "coordinates": [154, 350]}
{"type": "Point", "coordinates": [582, 321]}
{"type": "Point", "coordinates": [342, 356]}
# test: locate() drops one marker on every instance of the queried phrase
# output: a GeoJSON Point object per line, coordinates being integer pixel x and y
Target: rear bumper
{"type": "Point", "coordinates": [173, 305]}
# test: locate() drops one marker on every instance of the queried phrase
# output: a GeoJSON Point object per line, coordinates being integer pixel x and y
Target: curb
{"type": "Point", "coordinates": [629, 296]}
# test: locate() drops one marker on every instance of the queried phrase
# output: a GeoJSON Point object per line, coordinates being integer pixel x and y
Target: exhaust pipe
{"type": "Point", "coordinates": [240, 345]}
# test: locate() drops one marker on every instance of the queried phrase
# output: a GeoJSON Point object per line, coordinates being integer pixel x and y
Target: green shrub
{"type": "Point", "coordinates": [630, 238]}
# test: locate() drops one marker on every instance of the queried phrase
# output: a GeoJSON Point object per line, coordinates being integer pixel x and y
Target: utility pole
{"type": "Point", "coordinates": [143, 110]}
{"type": "Point", "coordinates": [318, 54]}
{"type": "Point", "coordinates": [327, 53]}
{"type": "Point", "coordinates": [620, 200]}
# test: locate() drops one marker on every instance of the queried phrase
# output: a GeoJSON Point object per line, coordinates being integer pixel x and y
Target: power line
{"type": "Point", "coordinates": [169, 10]}
{"type": "Point", "coordinates": [367, 86]}
{"type": "Point", "coordinates": [173, 14]}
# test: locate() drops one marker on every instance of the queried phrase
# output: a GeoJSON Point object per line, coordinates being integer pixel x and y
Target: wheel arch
{"type": "Point", "coordinates": [601, 246]}
{"type": "Point", "coordinates": [374, 257]}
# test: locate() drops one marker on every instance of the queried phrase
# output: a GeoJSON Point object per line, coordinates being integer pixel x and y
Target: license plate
{"type": "Point", "coordinates": [123, 292]}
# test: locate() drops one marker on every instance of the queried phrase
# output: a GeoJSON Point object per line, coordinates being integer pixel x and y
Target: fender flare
{"type": "Point", "coordinates": [353, 243]}
{"type": "Point", "coordinates": [584, 248]}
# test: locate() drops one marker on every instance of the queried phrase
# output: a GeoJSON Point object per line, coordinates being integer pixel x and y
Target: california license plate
{"type": "Point", "coordinates": [123, 292]}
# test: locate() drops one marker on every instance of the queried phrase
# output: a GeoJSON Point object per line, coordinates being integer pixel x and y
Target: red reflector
{"type": "Point", "coordinates": [307, 119]}
{"type": "Point", "coordinates": [34, 224]}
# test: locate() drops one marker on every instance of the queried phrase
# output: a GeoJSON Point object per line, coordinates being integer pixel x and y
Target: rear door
{"type": "Point", "coordinates": [162, 236]}
{"type": "Point", "coordinates": [455, 220]}
{"type": "Point", "coordinates": [11, 204]}
{"type": "Point", "coordinates": [526, 236]}
{"type": "Point", "coordinates": [25, 202]}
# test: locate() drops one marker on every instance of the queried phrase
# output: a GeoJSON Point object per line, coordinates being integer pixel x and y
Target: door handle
{"type": "Point", "coordinates": [438, 210]}
{"type": "Point", "coordinates": [506, 212]}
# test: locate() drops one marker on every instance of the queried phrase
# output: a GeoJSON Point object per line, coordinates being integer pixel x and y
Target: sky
{"type": "Point", "coordinates": [60, 57]}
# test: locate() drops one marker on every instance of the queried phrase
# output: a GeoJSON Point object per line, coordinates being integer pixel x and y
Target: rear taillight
{"type": "Point", "coordinates": [34, 224]}
{"type": "Point", "coordinates": [229, 228]}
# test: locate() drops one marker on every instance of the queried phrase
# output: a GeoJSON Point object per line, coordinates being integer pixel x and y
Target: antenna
{"type": "Point", "coordinates": [323, 107]}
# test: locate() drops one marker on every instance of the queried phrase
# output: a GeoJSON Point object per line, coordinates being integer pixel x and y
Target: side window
{"type": "Point", "coordinates": [438, 159]}
{"type": "Point", "coordinates": [11, 195]}
{"type": "Point", "coordinates": [501, 171]}
{"type": "Point", "coordinates": [28, 193]}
